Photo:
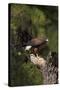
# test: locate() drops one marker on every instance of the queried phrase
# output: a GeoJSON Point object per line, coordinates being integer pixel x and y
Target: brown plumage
{"type": "Point", "coordinates": [37, 41]}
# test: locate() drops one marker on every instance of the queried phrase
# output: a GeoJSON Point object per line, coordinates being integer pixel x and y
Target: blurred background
{"type": "Point", "coordinates": [27, 22]}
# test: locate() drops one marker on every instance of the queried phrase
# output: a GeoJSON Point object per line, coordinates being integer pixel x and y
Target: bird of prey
{"type": "Point", "coordinates": [36, 42]}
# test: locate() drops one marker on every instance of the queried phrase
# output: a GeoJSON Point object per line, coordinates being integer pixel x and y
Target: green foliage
{"type": "Point", "coordinates": [43, 21]}
{"type": "Point", "coordinates": [29, 75]}
{"type": "Point", "coordinates": [38, 21]}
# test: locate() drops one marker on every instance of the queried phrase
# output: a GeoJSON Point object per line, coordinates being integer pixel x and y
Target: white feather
{"type": "Point", "coordinates": [28, 47]}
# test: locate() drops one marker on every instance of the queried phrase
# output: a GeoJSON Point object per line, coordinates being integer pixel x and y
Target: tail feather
{"type": "Point", "coordinates": [28, 47]}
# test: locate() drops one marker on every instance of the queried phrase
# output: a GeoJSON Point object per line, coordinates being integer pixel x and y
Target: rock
{"type": "Point", "coordinates": [49, 70]}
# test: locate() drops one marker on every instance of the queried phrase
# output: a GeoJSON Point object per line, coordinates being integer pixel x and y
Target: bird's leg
{"type": "Point", "coordinates": [35, 51]}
